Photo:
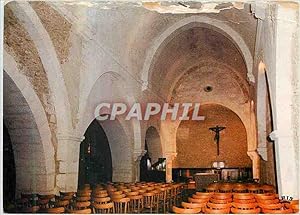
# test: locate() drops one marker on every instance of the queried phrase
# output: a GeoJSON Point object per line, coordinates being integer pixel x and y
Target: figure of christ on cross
{"type": "Point", "coordinates": [217, 130]}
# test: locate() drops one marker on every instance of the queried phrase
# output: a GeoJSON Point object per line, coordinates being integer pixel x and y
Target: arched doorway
{"type": "Point", "coordinates": [9, 171]}
{"type": "Point", "coordinates": [152, 164]}
{"type": "Point", "coordinates": [95, 164]}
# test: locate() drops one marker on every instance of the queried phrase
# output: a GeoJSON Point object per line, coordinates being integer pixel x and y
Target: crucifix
{"type": "Point", "coordinates": [217, 130]}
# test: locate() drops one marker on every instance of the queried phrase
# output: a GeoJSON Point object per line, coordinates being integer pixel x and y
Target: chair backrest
{"type": "Point", "coordinates": [62, 203]}
{"type": "Point", "coordinates": [32, 209]}
{"type": "Point", "coordinates": [81, 205]}
{"type": "Point", "coordinates": [281, 211]}
{"type": "Point", "coordinates": [217, 211]}
{"type": "Point", "coordinates": [192, 205]}
{"type": "Point", "coordinates": [103, 208]}
{"type": "Point", "coordinates": [220, 201]}
{"type": "Point", "coordinates": [57, 210]}
{"type": "Point", "coordinates": [244, 201]}
{"type": "Point", "coordinates": [203, 194]}
{"type": "Point", "coordinates": [245, 206]}
{"type": "Point", "coordinates": [243, 211]}
{"type": "Point", "coordinates": [83, 193]}
{"type": "Point", "coordinates": [132, 193]}
{"type": "Point", "coordinates": [83, 199]}
{"type": "Point", "coordinates": [218, 206]}
{"type": "Point", "coordinates": [100, 195]}
{"type": "Point", "coordinates": [186, 210]}
{"type": "Point", "coordinates": [200, 196]}
{"type": "Point", "coordinates": [222, 195]}
{"type": "Point", "coordinates": [192, 200]}
{"type": "Point", "coordinates": [277, 206]}
{"type": "Point", "coordinates": [83, 211]}
{"type": "Point", "coordinates": [102, 200]}
{"type": "Point", "coordinates": [243, 196]}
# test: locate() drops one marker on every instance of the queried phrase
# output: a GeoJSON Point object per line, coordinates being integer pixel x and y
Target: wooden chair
{"type": "Point", "coordinates": [279, 211]}
{"type": "Point", "coordinates": [62, 203]}
{"type": "Point", "coordinates": [214, 188]}
{"type": "Point", "coordinates": [203, 194]}
{"type": "Point", "coordinates": [56, 210]}
{"type": "Point", "coordinates": [266, 188]}
{"type": "Point", "coordinates": [217, 211]}
{"type": "Point", "coordinates": [273, 208]}
{"type": "Point", "coordinates": [121, 205]}
{"type": "Point", "coordinates": [132, 193]}
{"type": "Point", "coordinates": [99, 195]}
{"type": "Point", "coordinates": [253, 188]}
{"type": "Point", "coordinates": [163, 203]}
{"type": "Point", "coordinates": [192, 200]}
{"type": "Point", "coordinates": [106, 208]}
{"type": "Point", "coordinates": [295, 208]}
{"type": "Point", "coordinates": [222, 196]}
{"type": "Point", "coordinates": [118, 196]}
{"type": "Point", "coordinates": [81, 205]}
{"type": "Point", "coordinates": [218, 206]}
{"type": "Point", "coordinates": [136, 203]}
{"type": "Point", "coordinates": [83, 193]}
{"type": "Point", "coordinates": [33, 209]}
{"type": "Point", "coordinates": [83, 199]}
{"type": "Point", "coordinates": [83, 211]}
{"type": "Point", "coordinates": [193, 205]}
{"type": "Point", "coordinates": [149, 201]}
{"type": "Point", "coordinates": [239, 188]}
{"type": "Point", "coordinates": [225, 188]}
{"type": "Point", "coordinates": [220, 201]}
{"type": "Point", "coordinates": [43, 203]}
{"type": "Point", "coordinates": [248, 211]}
{"type": "Point", "coordinates": [201, 197]}
{"type": "Point", "coordinates": [186, 210]}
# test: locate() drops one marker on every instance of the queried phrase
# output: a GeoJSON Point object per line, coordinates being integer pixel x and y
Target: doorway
{"type": "Point", "coordinates": [95, 164]}
{"type": "Point", "coordinates": [9, 171]}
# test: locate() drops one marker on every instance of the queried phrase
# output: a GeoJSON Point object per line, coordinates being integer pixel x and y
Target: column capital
{"type": "Point", "coordinates": [259, 9]}
{"type": "Point", "coordinates": [253, 154]}
{"type": "Point", "coordinates": [138, 154]}
{"type": "Point", "coordinates": [170, 155]}
{"type": "Point", "coordinates": [70, 137]}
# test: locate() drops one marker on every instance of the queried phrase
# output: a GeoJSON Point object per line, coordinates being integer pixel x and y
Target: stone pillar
{"type": "Point", "coordinates": [285, 97]}
{"type": "Point", "coordinates": [68, 150]}
{"type": "Point", "coordinates": [254, 156]}
{"type": "Point", "coordinates": [137, 156]}
{"type": "Point", "coordinates": [170, 156]}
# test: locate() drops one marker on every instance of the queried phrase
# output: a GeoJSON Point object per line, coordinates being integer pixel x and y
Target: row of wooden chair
{"type": "Point", "coordinates": [240, 188]}
{"type": "Point", "coordinates": [237, 203]}
{"type": "Point", "coordinates": [109, 198]}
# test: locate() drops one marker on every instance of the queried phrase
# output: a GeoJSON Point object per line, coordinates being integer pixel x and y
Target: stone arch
{"type": "Point", "coordinates": [152, 138]}
{"type": "Point", "coordinates": [22, 104]}
{"type": "Point", "coordinates": [108, 88]}
{"type": "Point", "coordinates": [186, 23]}
{"type": "Point", "coordinates": [33, 25]}
{"type": "Point", "coordinates": [212, 63]}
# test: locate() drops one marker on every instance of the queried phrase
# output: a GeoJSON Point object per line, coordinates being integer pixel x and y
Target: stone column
{"type": "Point", "coordinates": [285, 93]}
{"type": "Point", "coordinates": [137, 156]}
{"type": "Point", "coordinates": [68, 150]}
{"type": "Point", "coordinates": [254, 156]}
{"type": "Point", "coordinates": [170, 156]}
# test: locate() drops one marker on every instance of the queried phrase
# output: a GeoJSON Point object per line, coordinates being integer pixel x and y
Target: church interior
{"type": "Point", "coordinates": [239, 60]}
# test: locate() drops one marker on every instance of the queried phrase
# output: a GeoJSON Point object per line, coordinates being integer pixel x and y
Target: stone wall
{"type": "Point", "coordinates": [195, 143]}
